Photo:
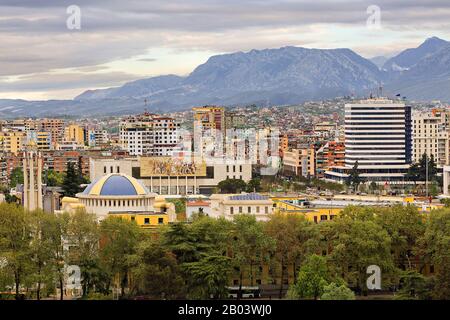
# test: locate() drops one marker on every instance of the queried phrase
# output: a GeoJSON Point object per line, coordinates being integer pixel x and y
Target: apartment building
{"type": "Point", "coordinates": [97, 137]}
{"type": "Point", "coordinates": [431, 136]}
{"type": "Point", "coordinates": [12, 141]}
{"type": "Point", "coordinates": [149, 134]}
{"type": "Point", "coordinates": [331, 154]}
{"type": "Point", "coordinates": [299, 162]}
{"type": "Point", "coordinates": [75, 134]}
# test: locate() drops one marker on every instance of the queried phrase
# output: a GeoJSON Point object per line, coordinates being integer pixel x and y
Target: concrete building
{"type": "Point", "coordinates": [97, 137]}
{"type": "Point", "coordinates": [55, 127]}
{"type": "Point", "coordinates": [12, 141]}
{"type": "Point", "coordinates": [377, 137]}
{"type": "Point", "coordinates": [234, 120]}
{"type": "Point", "coordinates": [172, 176]}
{"type": "Point", "coordinates": [299, 162]}
{"type": "Point", "coordinates": [228, 206]}
{"type": "Point", "coordinates": [149, 134]}
{"type": "Point", "coordinates": [74, 133]}
{"type": "Point", "coordinates": [209, 130]}
{"type": "Point", "coordinates": [332, 154]}
{"type": "Point", "coordinates": [431, 136]}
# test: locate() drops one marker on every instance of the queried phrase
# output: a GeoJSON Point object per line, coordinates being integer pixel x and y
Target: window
{"type": "Point", "coordinates": [146, 220]}
{"type": "Point", "coordinates": [323, 218]}
{"type": "Point", "coordinates": [240, 209]}
{"type": "Point", "coordinates": [257, 209]}
{"type": "Point", "coordinates": [133, 218]}
{"type": "Point", "coordinates": [104, 169]}
{"type": "Point", "coordinates": [266, 210]}
{"type": "Point", "coordinates": [160, 220]}
{"type": "Point", "coordinates": [249, 209]}
{"type": "Point", "coordinates": [231, 210]}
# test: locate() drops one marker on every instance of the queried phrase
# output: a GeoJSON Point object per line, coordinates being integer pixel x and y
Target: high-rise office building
{"type": "Point", "coordinates": [378, 137]}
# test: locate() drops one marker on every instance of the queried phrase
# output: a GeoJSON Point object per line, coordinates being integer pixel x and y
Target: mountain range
{"type": "Point", "coordinates": [283, 76]}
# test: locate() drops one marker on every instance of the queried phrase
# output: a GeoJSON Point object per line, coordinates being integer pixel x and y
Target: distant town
{"type": "Point", "coordinates": [267, 173]}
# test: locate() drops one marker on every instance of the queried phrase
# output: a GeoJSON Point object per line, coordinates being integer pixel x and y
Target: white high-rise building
{"type": "Point", "coordinates": [378, 138]}
{"type": "Point", "coordinates": [149, 134]}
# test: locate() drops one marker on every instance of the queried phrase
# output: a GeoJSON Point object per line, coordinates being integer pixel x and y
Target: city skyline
{"type": "Point", "coordinates": [43, 59]}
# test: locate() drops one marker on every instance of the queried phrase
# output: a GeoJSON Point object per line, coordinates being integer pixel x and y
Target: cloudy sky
{"type": "Point", "coordinates": [123, 40]}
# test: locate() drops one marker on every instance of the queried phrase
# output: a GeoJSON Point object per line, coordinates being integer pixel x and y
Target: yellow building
{"type": "Point", "coordinates": [294, 206]}
{"type": "Point", "coordinates": [144, 220]}
{"type": "Point", "coordinates": [299, 162]}
{"type": "Point", "coordinates": [209, 117]}
{"type": "Point", "coordinates": [74, 133]}
{"type": "Point", "coordinates": [12, 142]}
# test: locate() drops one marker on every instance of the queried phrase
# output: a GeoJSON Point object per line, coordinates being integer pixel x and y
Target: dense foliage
{"type": "Point", "coordinates": [197, 260]}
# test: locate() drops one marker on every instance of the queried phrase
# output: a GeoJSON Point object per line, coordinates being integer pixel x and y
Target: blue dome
{"type": "Point", "coordinates": [118, 186]}
{"type": "Point", "coordinates": [115, 185]}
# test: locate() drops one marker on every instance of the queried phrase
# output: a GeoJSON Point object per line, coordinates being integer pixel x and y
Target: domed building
{"type": "Point", "coordinates": [122, 195]}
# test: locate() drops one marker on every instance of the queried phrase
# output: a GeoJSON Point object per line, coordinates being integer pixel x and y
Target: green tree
{"type": "Point", "coordinates": [355, 244]}
{"type": "Point", "coordinates": [53, 178]}
{"type": "Point", "coordinates": [254, 185]}
{"type": "Point", "coordinates": [251, 246]}
{"type": "Point", "coordinates": [71, 183]}
{"type": "Point", "coordinates": [201, 250]}
{"type": "Point", "coordinates": [413, 286]}
{"type": "Point", "coordinates": [294, 237]}
{"type": "Point", "coordinates": [232, 186]}
{"type": "Point", "coordinates": [41, 250]}
{"type": "Point", "coordinates": [208, 277]}
{"type": "Point", "coordinates": [16, 177]}
{"type": "Point", "coordinates": [354, 179]}
{"type": "Point", "coordinates": [83, 236]}
{"type": "Point", "coordinates": [156, 272]}
{"type": "Point", "coordinates": [334, 291]}
{"type": "Point", "coordinates": [405, 226]}
{"type": "Point", "coordinates": [312, 279]}
{"type": "Point", "coordinates": [413, 173]}
{"type": "Point", "coordinates": [434, 248]}
{"type": "Point", "coordinates": [15, 239]}
{"type": "Point", "coordinates": [119, 240]}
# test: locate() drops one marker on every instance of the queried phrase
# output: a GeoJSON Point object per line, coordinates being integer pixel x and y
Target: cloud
{"type": "Point", "coordinates": [36, 41]}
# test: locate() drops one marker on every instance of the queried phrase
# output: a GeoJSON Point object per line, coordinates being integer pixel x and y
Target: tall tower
{"type": "Point", "coordinates": [32, 178]}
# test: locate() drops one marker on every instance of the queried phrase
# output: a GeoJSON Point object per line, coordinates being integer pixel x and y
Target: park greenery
{"type": "Point", "coordinates": [198, 260]}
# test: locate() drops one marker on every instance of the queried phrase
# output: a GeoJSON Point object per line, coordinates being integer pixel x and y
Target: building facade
{"type": "Point", "coordinates": [299, 162]}
{"type": "Point", "coordinates": [170, 176]}
{"type": "Point", "coordinates": [150, 135]}
{"type": "Point", "coordinates": [431, 136]}
{"type": "Point", "coordinates": [378, 137]}
{"type": "Point", "coordinates": [228, 206]}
